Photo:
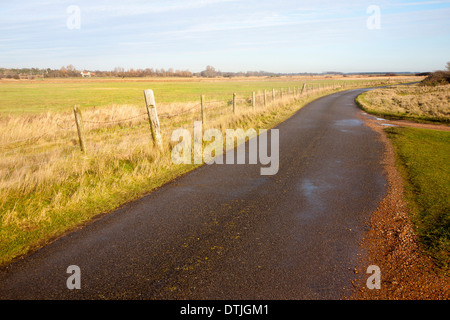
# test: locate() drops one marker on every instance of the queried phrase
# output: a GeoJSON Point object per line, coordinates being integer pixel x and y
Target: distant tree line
{"type": "Point", "coordinates": [70, 71]}
{"type": "Point", "coordinates": [210, 72]}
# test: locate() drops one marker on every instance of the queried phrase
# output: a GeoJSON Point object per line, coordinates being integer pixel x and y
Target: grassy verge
{"type": "Point", "coordinates": [423, 160]}
{"type": "Point", "coordinates": [413, 102]}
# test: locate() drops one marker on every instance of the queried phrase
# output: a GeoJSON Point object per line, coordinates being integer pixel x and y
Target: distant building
{"type": "Point", "coordinates": [87, 74]}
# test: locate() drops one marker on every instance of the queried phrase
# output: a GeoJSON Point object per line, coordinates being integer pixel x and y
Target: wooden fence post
{"type": "Point", "coordinates": [153, 117]}
{"type": "Point", "coordinates": [253, 99]}
{"type": "Point", "coordinates": [80, 128]}
{"type": "Point", "coordinates": [234, 103]}
{"type": "Point", "coordinates": [265, 98]}
{"type": "Point", "coordinates": [273, 95]}
{"type": "Point", "coordinates": [202, 97]}
{"type": "Point", "coordinates": [303, 88]}
{"type": "Point", "coordinates": [281, 93]}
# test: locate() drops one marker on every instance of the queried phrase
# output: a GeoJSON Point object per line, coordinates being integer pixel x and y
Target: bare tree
{"type": "Point", "coordinates": [71, 68]}
{"type": "Point", "coordinates": [448, 65]}
{"type": "Point", "coordinates": [210, 72]}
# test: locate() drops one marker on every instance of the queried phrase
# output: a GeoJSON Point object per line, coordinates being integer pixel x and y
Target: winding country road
{"type": "Point", "coordinates": [227, 232]}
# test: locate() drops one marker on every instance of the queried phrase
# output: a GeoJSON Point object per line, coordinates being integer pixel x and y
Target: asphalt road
{"type": "Point", "coordinates": [226, 231]}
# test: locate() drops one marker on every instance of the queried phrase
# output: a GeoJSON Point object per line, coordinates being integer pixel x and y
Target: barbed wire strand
{"type": "Point", "coordinates": [114, 121]}
{"type": "Point", "coordinates": [4, 145]}
{"type": "Point", "coordinates": [167, 115]}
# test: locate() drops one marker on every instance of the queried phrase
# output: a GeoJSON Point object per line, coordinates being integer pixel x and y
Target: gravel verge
{"type": "Point", "coordinates": [407, 272]}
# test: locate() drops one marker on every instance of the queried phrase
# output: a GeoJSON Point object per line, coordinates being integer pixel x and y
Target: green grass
{"type": "Point", "coordinates": [424, 160]}
{"type": "Point", "coordinates": [99, 194]}
{"type": "Point", "coordinates": [61, 95]}
{"type": "Point", "coordinates": [44, 96]}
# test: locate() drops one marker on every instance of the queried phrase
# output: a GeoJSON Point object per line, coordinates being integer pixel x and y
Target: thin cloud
{"type": "Point", "coordinates": [426, 3]}
{"type": "Point", "coordinates": [131, 9]}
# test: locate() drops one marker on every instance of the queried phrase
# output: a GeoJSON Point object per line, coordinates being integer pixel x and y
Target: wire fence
{"type": "Point", "coordinates": [166, 115]}
{"type": "Point", "coordinates": [13, 144]}
{"type": "Point", "coordinates": [115, 121]}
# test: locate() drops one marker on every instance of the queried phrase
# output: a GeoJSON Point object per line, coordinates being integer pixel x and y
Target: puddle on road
{"type": "Point", "coordinates": [348, 122]}
{"type": "Point", "coordinates": [315, 206]}
{"type": "Point", "coordinates": [308, 188]}
{"type": "Point", "coordinates": [388, 125]}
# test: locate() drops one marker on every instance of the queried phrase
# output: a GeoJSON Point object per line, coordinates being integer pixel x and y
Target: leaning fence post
{"type": "Point", "coordinates": [79, 123]}
{"type": "Point", "coordinates": [203, 110]}
{"type": "Point", "coordinates": [234, 103]}
{"type": "Point", "coordinates": [303, 88]}
{"type": "Point", "coordinates": [153, 117]}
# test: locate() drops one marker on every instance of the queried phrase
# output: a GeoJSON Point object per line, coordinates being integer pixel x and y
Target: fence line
{"type": "Point", "coordinates": [235, 103]}
{"type": "Point", "coordinates": [79, 122]}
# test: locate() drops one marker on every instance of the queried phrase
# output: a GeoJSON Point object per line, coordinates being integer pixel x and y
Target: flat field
{"type": "Point", "coordinates": [61, 94]}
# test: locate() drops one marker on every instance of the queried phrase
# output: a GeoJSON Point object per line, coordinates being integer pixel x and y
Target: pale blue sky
{"type": "Point", "coordinates": [231, 35]}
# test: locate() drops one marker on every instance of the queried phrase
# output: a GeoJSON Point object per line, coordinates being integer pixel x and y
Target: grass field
{"type": "Point", "coordinates": [424, 159]}
{"type": "Point", "coordinates": [61, 94]}
{"type": "Point", "coordinates": [413, 102]}
{"type": "Point", "coordinates": [47, 186]}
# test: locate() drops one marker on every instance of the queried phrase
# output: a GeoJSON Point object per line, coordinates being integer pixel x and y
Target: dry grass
{"type": "Point", "coordinates": [410, 102]}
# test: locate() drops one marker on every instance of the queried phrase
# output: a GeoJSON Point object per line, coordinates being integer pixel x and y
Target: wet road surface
{"type": "Point", "coordinates": [226, 231]}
